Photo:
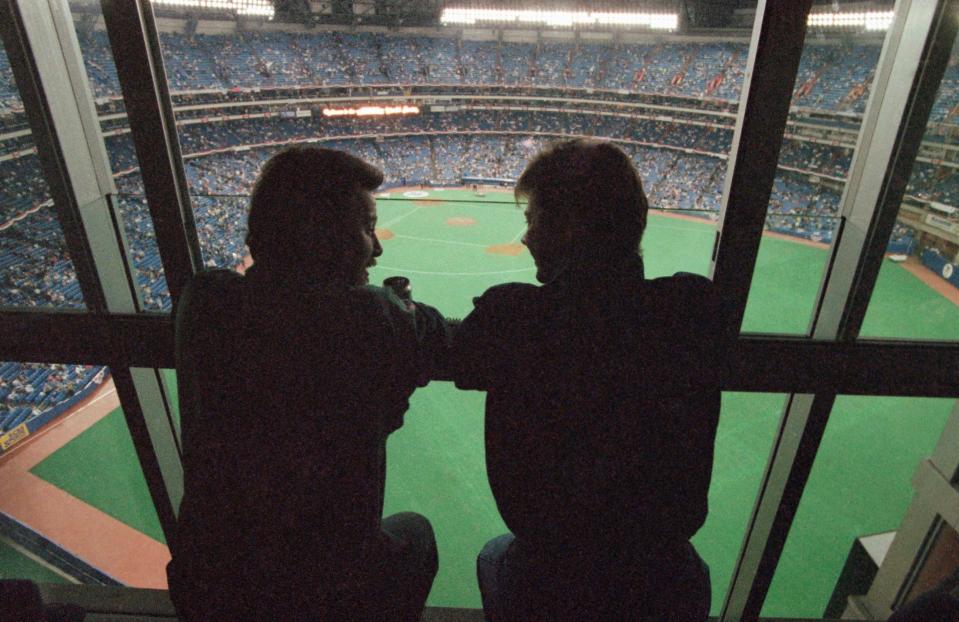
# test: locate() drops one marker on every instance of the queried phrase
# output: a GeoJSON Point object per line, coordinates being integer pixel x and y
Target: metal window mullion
{"type": "Point", "coordinates": [870, 201]}
{"type": "Point", "coordinates": [138, 58]}
{"type": "Point", "coordinates": [164, 477]}
{"type": "Point", "coordinates": [754, 571]}
{"type": "Point", "coordinates": [27, 68]}
{"type": "Point", "coordinates": [47, 55]}
{"type": "Point", "coordinates": [774, 53]}
{"type": "Point", "coordinates": [925, 60]}
{"type": "Point", "coordinates": [804, 421]}
{"type": "Point", "coordinates": [71, 150]}
{"type": "Point", "coordinates": [859, 368]}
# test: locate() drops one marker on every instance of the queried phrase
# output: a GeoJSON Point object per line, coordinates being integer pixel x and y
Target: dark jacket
{"type": "Point", "coordinates": [602, 404]}
{"type": "Point", "coordinates": [287, 395]}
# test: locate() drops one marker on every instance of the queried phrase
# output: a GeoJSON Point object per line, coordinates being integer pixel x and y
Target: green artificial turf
{"type": "Point", "coordinates": [860, 481]}
{"type": "Point", "coordinates": [100, 467]}
{"type": "Point", "coordinates": [903, 307]}
{"type": "Point", "coordinates": [784, 288]}
{"type": "Point", "coordinates": [16, 565]}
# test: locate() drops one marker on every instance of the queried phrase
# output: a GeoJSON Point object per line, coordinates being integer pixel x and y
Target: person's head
{"type": "Point", "coordinates": [312, 215]}
{"type": "Point", "coordinates": [585, 200]}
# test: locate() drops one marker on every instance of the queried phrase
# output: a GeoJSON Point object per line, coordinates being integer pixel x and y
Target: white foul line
{"type": "Point", "coordinates": [398, 218]}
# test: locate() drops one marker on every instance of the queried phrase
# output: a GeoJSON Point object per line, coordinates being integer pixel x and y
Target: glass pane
{"type": "Point", "coordinates": [847, 496]}
{"type": "Point", "coordinates": [829, 96]}
{"type": "Point", "coordinates": [447, 482]}
{"type": "Point", "coordinates": [75, 502]}
{"type": "Point", "coordinates": [748, 424]}
{"type": "Point", "coordinates": [471, 139]}
{"type": "Point", "coordinates": [138, 227]}
{"type": "Point", "coordinates": [220, 185]}
{"type": "Point", "coordinates": [679, 237]}
{"type": "Point", "coordinates": [917, 293]}
{"type": "Point", "coordinates": [143, 249]}
{"type": "Point", "coordinates": [681, 226]}
{"type": "Point", "coordinates": [449, 485]}
{"type": "Point", "coordinates": [792, 257]}
{"type": "Point", "coordinates": [452, 244]}
{"type": "Point", "coordinates": [35, 266]}
{"type": "Point", "coordinates": [455, 242]}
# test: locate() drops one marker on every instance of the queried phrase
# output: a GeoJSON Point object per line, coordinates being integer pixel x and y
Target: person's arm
{"type": "Point", "coordinates": [419, 340]}
{"type": "Point", "coordinates": [432, 335]}
{"type": "Point", "coordinates": [203, 304]}
{"type": "Point", "coordinates": [484, 352]}
{"type": "Point", "coordinates": [697, 322]}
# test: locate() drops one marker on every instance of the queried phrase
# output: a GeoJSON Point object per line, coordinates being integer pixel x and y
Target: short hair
{"type": "Point", "coordinates": [594, 185]}
{"type": "Point", "coordinates": [304, 191]}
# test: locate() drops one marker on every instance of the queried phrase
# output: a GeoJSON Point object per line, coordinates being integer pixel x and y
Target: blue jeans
{"type": "Point", "coordinates": [519, 582]}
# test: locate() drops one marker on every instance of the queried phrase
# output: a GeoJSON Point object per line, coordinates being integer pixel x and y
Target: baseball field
{"type": "Point", "coordinates": [453, 245]}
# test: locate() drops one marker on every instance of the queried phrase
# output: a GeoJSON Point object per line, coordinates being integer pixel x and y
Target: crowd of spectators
{"type": "Point", "coordinates": [832, 76]}
{"type": "Point", "coordinates": [934, 183]}
{"type": "Point", "coordinates": [802, 209]}
{"type": "Point", "coordinates": [9, 97]}
{"type": "Point", "coordinates": [29, 389]}
{"type": "Point", "coordinates": [827, 159]}
{"type": "Point", "coordinates": [35, 268]}
{"type": "Point", "coordinates": [36, 271]}
{"type": "Point", "coordinates": [23, 187]}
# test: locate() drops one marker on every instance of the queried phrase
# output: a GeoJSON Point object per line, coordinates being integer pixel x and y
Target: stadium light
{"type": "Point", "coordinates": [559, 19]}
{"type": "Point", "coordinates": [255, 8]}
{"type": "Point", "coordinates": [860, 20]}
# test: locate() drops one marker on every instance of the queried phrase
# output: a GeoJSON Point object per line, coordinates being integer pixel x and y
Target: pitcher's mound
{"type": "Point", "coordinates": [460, 221]}
{"type": "Point", "coordinates": [506, 249]}
{"type": "Point", "coordinates": [385, 234]}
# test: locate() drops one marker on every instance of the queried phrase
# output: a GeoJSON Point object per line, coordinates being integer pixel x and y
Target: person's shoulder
{"type": "Point", "coordinates": [215, 279]}
{"type": "Point", "coordinates": [684, 287]}
{"type": "Point", "coordinates": [686, 297]}
{"type": "Point", "coordinates": [207, 302]}
{"type": "Point", "coordinates": [385, 301]}
{"type": "Point", "coordinates": [507, 295]}
{"type": "Point", "coordinates": [208, 286]}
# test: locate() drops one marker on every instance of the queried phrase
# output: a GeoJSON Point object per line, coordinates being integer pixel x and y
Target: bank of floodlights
{"type": "Point", "coordinates": [558, 19]}
{"type": "Point", "coordinates": [253, 8]}
{"type": "Point", "coordinates": [857, 20]}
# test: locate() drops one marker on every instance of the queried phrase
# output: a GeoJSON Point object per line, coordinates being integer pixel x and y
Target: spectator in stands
{"type": "Point", "coordinates": [602, 407]}
{"type": "Point", "coordinates": [292, 377]}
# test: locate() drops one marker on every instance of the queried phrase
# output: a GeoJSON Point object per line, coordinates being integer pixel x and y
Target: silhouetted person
{"type": "Point", "coordinates": [291, 378]}
{"type": "Point", "coordinates": [601, 410]}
